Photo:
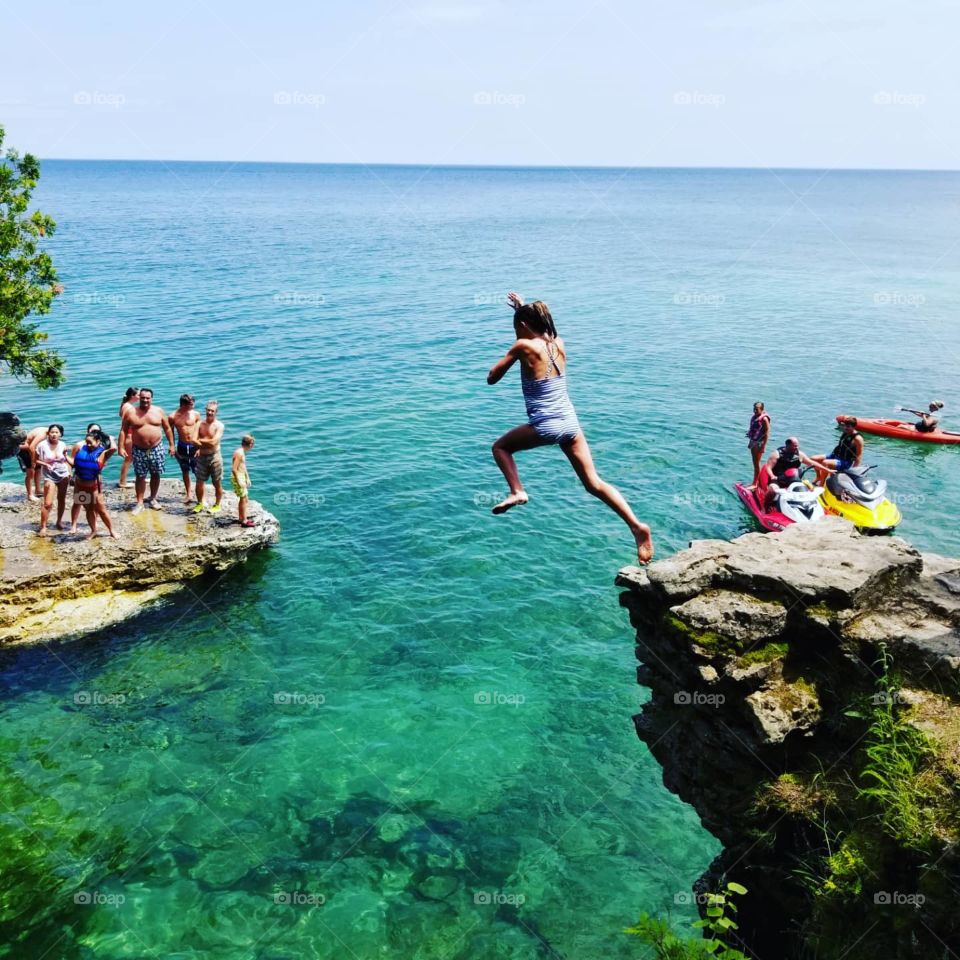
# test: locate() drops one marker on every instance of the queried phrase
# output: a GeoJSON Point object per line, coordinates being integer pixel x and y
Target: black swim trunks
{"type": "Point", "coordinates": [187, 456]}
{"type": "Point", "coordinates": [25, 459]}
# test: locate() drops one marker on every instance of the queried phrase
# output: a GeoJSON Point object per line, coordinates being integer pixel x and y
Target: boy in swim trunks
{"type": "Point", "coordinates": [240, 479]}
{"type": "Point", "coordinates": [186, 421]}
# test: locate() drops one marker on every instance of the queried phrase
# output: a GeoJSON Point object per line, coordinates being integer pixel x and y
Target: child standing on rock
{"type": "Point", "coordinates": [240, 478]}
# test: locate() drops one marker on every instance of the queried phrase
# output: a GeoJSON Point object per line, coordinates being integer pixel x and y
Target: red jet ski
{"type": "Point", "coordinates": [902, 430]}
{"type": "Point", "coordinates": [797, 504]}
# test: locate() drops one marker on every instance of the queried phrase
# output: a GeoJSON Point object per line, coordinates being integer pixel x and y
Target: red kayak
{"type": "Point", "coordinates": [902, 430]}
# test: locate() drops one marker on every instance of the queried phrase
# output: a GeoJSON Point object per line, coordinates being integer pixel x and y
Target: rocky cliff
{"type": "Point", "coordinates": [61, 585]}
{"type": "Point", "coordinates": [805, 701]}
{"type": "Point", "coordinates": [11, 435]}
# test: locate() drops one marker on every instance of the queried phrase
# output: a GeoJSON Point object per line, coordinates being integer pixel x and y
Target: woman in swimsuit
{"type": "Point", "coordinates": [51, 455]}
{"type": "Point", "coordinates": [88, 461]}
{"type": "Point", "coordinates": [550, 416]}
{"type": "Point", "coordinates": [127, 451]}
{"type": "Point", "coordinates": [758, 434]}
{"type": "Point", "coordinates": [928, 421]}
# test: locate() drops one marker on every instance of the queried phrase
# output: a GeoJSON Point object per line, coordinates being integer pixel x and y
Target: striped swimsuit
{"type": "Point", "coordinates": [549, 410]}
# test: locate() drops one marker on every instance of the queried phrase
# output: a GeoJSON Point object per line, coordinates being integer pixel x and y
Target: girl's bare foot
{"type": "Point", "coordinates": [90, 535]}
{"type": "Point", "coordinates": [59, 525]}
{"type": "Point", "coordinates": [42, 532]}
{"type": "Point", "coordinates": [73, 529]}
{"type": "Point", "coordinates": [514, 500]}
{"type": "Point", "coordinates": [644, 543]}
{"type": "Point", "coordinates": [113, 535]}
{"type": "Point", "coordinates": [33, 499]}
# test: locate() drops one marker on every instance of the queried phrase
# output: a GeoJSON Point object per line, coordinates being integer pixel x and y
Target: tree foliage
{"type": "Point", "coordinates": [28, 278]}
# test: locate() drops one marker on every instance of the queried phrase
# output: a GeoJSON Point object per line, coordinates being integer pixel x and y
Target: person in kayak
{"type": "Point", "coordinates": [783, 468]}
{"type": "Point", "coordinates": [846, 454]}
{"type": "Point", "coordinates": [757, 435]}
{"type": "Point", "coordinates": [550, 416]}
{"type": "Point", "coordinates": [929, 421]}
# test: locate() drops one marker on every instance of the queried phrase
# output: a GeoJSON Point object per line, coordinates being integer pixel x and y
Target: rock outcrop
{"type": "Point", "coordinates": [11, 435]}
{"type": "Point", "coordinates": [64, 585]}
{"type": "Point", "coordinates": [790, 674]}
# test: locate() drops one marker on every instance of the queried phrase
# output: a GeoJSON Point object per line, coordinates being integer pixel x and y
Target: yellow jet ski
{"type": "Point", "coordinates": [856, 497]}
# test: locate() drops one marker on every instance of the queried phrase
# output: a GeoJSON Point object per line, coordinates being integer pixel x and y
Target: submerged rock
{"type": "Point", "coordinates": [764, 659]}
{"type": "Point", "coordinates": [64, 585]}
{"type": "Point", "coordinates": [11, 435]}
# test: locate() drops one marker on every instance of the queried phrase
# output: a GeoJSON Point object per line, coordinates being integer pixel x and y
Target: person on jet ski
{"type": "Point", "coordinates": [928, 421]}
{"type": "Point", "coordinates": [783, 468]}
{"type": "Point", "coordinates": [846, 454]}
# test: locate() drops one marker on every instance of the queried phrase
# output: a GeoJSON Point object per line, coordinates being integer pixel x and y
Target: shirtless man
{"type": "Point", "coordinates": [26, 457]}
{"type": "Point", "coordinates": [147, 424]}
{"type": "Point", "coordinates": [210, 460]}
{"type": "Point", "coordinates": [186, 421]}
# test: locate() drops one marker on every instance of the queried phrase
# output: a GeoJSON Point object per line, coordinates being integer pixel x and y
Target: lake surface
{"type": "Point", "coordinates": [406, 731]}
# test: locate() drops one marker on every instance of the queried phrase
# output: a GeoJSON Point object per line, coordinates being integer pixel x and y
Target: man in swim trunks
{"type": "Point", "coordinates": [210, 460]}
{"type": "Point", "coordinates": [147, 424]}
{"type": "Point", "coordinates": [27, 460]}
{"type": "Point", "coordinates": [186, 421]}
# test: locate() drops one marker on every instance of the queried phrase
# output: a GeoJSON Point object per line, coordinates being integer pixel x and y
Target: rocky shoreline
{"type": "Point", "coordinates": [785, 671]}
{"type": "Point", "coordinates": [63, 585]}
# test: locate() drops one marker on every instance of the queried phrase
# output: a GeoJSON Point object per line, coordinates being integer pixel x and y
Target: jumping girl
{"type": "Point", "coordinates": [550, 416]}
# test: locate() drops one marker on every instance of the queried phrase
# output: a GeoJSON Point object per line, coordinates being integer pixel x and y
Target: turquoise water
{"type": "Point", "coordinates": [410, 721]}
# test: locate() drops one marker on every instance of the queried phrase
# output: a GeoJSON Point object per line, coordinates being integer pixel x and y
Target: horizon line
{"type": "Point", "coordinates": [503, 166]}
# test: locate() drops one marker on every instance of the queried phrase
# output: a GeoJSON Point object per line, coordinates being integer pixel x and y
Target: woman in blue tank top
{"type": "Point", "coordinates": [550, 416]}
{"type": "Point", "coordinates": [89, 458]}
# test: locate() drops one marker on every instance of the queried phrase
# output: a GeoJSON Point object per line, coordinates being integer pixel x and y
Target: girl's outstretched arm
{"type": "Point", "coordinates": [499, 369]}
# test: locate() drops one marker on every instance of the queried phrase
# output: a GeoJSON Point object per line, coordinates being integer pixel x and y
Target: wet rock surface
{"type": "Point", "coordinates": [64, 585]}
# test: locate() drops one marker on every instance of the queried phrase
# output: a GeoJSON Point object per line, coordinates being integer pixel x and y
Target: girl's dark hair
{"type": "Point", "coordinates": [59, 426]}
{"type": "Point", "coordinates": [537, 317]}
{"type": "Point", "coordinates": [131, 392]}
{"type": "Point", "coordinates": [92, 424]}
{"type": "Point", "coordinates": [759, 404]}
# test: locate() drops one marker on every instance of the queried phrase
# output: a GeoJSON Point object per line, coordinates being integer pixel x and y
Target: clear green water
{"type": "Point", "coordinates": [313, 726]}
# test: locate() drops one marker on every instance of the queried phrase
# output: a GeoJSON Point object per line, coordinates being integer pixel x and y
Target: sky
{"type": "Point", "coordinates": [786, 83]}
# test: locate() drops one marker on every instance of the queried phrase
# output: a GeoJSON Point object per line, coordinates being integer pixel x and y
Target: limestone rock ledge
{"type": "Point", "coordinates": [758, 652]}
{"type": "Point", "coordinates": [62, 585]}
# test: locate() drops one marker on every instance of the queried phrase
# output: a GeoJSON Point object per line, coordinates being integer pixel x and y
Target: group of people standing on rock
{"type": "Point", "coordinates": [783, 466]}
{"type": "Point", "coordinates": [50, 466]}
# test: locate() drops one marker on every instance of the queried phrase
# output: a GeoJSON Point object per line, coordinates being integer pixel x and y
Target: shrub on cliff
{"type": "Point", "coordinates": [28, 278]}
